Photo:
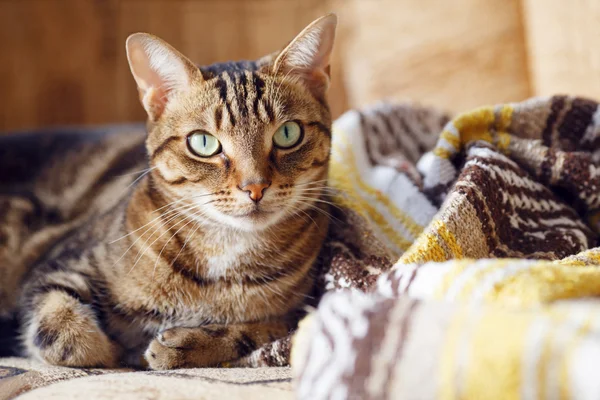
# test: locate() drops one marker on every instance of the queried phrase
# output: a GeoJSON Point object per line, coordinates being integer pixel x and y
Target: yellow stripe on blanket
{"type": "Point", "coordinates": [345, 176]}
{"type": "Point", "coordinates": [494, 336]}
{"type": "Point", "coordinates": [511, 282]}
{"type": "Point", "coordinates": [490, 350]}
{"type": "Point", "coordinates": [546, 282]}
{"type": "Point", "coordinates": [481, 124]}
{"type": "Point", "coordinates": [430, 245]}
{"type": "Point", "coordinates": [449, 357]}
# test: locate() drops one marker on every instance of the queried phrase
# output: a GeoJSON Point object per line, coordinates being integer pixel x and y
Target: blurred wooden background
{"type": "Point", "coordinates": [63, 61]}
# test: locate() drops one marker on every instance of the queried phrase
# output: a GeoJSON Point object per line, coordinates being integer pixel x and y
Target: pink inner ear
{"type": "Point", "coordinates": [154, 101]}
{"type": "Point", "coordinates": [156, 68]}
{"type": "Point", "coordinates": [307, 56]}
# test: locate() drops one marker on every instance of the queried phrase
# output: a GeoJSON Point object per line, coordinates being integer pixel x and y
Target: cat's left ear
{"type": "Point", "coordinates": [308, 55]}
{"type": "Point", "coordinates": [159, 70]}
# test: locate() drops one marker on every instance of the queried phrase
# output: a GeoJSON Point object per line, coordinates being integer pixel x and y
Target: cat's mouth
{"type": "Point", "coordinates": [252, 217]}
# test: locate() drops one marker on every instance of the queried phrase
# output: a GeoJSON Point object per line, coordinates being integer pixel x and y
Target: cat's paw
{"type": "Point", "coordinates": [188, 338]}
{"type": "Point", "coordinates": [160, 357]}
{"type": "Point", "coordinates": [186, 347]}
{"type": "Point", "coordinates": [65, 332]}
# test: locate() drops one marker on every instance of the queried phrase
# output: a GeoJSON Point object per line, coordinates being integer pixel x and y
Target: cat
{"type": "Point", "coordinates": [210, 252]}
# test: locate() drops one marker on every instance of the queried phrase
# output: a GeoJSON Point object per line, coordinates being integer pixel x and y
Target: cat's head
{"type": "Point", "coordinates": [244, 143]}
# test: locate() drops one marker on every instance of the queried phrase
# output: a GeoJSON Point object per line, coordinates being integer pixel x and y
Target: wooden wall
{"type": "Point", "coordinates": [563, 42]}
{"type": "Point", "coordinates": [454, 54]}
{"type": "Point", "coordinates": [63, 61]}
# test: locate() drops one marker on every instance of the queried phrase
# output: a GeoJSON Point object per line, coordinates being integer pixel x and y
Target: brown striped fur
{"type": "Point", "coordinates": [186, 270]}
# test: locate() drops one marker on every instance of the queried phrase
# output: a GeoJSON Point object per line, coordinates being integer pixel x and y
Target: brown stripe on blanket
{"type": "Point", "coordinates": [557, 104]}
{"type": "Point", "coordinates": [505, 215]}
{"type": "Point", "coordinates": [575, 123]}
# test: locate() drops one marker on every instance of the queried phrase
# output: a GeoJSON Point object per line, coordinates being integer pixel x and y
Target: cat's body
{"type": "Point", "coordinates": [54, 181]}
{"type": "Point", "coordinates": [206, 256]}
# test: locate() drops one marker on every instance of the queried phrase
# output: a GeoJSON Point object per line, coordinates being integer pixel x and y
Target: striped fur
{"type": "Point", "coordinates": [184, 269]}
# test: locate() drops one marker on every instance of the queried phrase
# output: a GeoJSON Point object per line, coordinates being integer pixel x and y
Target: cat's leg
{"type": "Point", "coordinates": [211, 344]}
{"type": "Point", "coordinates": [15, 212]}
{"type": "Point", "coordinates": [61, 326]}
{"type": "Point", "coordinates": [25, 234]}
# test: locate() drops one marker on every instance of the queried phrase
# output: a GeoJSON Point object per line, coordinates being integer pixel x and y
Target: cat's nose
{"type": "Point", "coordinates": [256, 190]}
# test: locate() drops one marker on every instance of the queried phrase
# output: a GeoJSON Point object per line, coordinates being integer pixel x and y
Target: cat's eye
{"type": "Point", "coordinates": [287, 135]}
{"type": "Point", "coordinates": [203, 144]}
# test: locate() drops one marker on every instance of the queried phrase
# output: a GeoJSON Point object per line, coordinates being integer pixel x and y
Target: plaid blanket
{"type": "Point", "coordinates": [463, 264]}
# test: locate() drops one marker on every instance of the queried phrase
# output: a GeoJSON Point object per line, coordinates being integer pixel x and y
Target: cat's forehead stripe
{"type": "Point", "coordinates": [243, 94]}
{"type": "Point", "coordinates": [213, 70]}
{"type": "Point", "coordinates": [222, 86]}
{"type": "Point", "coordinates": [218, 116]}
{"type": "Point", "coordinates": [259, 86]}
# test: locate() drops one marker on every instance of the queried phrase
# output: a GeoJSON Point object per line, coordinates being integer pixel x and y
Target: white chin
{"type": "Point", "coordinates": [251, 222]}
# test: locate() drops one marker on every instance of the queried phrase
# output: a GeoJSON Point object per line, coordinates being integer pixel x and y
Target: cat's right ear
{"type": "Point", "coordinates": [159, 70]}
{"type": "Point", "coordinates": [307, 56]}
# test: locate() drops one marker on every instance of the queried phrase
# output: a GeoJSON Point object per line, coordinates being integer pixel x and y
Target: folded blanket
{"type": "Point", "coordinates": [489, 239]}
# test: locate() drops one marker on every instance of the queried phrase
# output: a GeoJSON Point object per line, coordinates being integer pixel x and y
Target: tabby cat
{"type": "Point", "coordinates": [207, 254]}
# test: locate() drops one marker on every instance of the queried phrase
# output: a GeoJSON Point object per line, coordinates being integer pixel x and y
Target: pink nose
{"type": "Point", "coordinates": [256, 190]}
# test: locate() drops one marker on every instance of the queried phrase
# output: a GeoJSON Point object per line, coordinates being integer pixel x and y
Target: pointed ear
{"type": "Point", "coordinates": [307, 56]}
{"type": "Point", "coordinates": [159, 71]}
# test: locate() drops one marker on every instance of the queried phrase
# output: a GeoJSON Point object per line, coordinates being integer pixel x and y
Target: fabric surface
{"type": "Point", "coordinates": [458, 265]}
{"type": "Point", "coordinates": [27, 379]}
{"type": "Point", "coordinates": [490, 241]}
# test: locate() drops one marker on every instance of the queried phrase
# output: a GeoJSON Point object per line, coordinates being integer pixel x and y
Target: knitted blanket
{"type": "Point", "coordinates": [458, 265]}
{"type": "Point", "coordinates": [465, 268]}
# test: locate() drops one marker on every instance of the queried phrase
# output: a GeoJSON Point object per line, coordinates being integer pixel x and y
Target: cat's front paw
{"type": "Point", "coordinates": [186, 348]}
{"type": "Point", "coordinates": [65, 332]}
{"type": "Point", "coordinates": [159, 356]}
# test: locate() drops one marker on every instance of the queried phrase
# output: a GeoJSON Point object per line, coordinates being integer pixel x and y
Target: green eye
{"type": "Point", "coordinates": [203, 144]}
{"type": "Point", "coordinates": [287, 135]}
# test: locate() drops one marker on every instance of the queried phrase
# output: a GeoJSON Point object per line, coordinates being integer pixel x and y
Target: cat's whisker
{"type": "Point", "coordinates": [310, 183]}
{"type": "Point", "coordinates": [325, 187]}
{"type": "Point", "coordinates": [143, 247]}
{"type": "Point", "coordinates": [163, 215]}
{"type": "Point", "coordinates": [316, 188]}
{"type": "Point", "coordinates": [298, 209]}
{"type": "Point", "coordinates": [146, 224]}
{"type": "Point", "coordinates": [316, 185]}
{"type": "Point", "coordinates": [175, 234]}
{"type": "Point", "coordinates": [142, 252]}
{"type": "Point", "coordinates": [136, 172]}
{"type": "Point", "coordinates": [318, 209]}
{"type": "Point", "coordinates": [176, 213]}
{"type": "Point", "coordinates": [292, 212]}
{"type": "Point", "coordinates": [325, 190]}
{"type": "Point", "coordinates": [173, 213]}
{"type": "Point", "coordinates": [196, 227]}
{"type": "Point", "coordinates": [197, 196]}
{"type": "Point", "coordinates": [320, 201]}
{"type": "Point", "coordinates": [136, 180]}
